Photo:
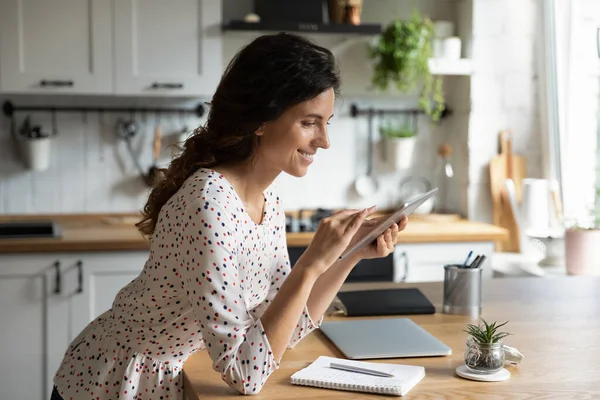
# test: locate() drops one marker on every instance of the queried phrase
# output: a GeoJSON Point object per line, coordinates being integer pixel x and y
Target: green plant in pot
{"type": "Point", "coordinates": [583, 238]}
{"type": "Point", "coordinates": [484, 353]}
{"type": "Point", "coordinates": [400, 58]}
{"type": "Point", "coordinates": [400, 143]}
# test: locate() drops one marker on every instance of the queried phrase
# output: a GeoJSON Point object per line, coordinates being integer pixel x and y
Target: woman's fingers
{"type": "Point", "coordinates": [395, 231]}
{"type": "Point", "coordinates": [354, 222]}
{"type": "Point", "coordinates": [403, 223]}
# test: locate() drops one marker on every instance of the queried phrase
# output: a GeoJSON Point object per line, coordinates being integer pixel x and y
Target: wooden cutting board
{"type": "Point", "coordinates": [503, 166]}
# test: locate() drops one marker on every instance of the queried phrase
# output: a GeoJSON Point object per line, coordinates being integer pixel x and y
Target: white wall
{"type": "Point", "coordinates": [503, 92]}
{"type": "Point", "coordinates": [91, 171]}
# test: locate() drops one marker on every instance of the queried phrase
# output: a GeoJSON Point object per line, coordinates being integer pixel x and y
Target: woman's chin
{"type": "Point", "coordinates": [297, 172]}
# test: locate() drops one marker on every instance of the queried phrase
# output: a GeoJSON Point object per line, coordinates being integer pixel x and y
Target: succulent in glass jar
{"type": "Point", "coordinates": [484, 353]}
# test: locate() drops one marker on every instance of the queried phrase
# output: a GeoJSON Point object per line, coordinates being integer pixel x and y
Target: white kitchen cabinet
{"type": "Point", "coordinates": [102, 276]}
{"type": "Point", "coordinates": [33, 331]}
{"type": "Point", "coordinates": [58, 46]}
{"type": "Point", "coordinates": [424, 262]}
{"type": "Point", "coordinates": [167, 48]}
{"type": "Point", "coordinates": [45, 301]}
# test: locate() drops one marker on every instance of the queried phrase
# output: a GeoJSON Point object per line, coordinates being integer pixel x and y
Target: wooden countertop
{"type": "Point", "coordinates": [555, 324]}
{"type": "Point", "coordinates": [110, 232]}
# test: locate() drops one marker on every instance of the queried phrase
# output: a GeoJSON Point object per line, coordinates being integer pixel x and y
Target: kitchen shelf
{"type": "Point", "coordinates": [441, 66]}
{"type": "Point", "coordinates": [309, 27]}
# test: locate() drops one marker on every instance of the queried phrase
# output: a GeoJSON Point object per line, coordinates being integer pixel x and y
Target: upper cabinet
{"type": "Point", "coordinates": [58, 46]}
{"type": "Point", "coordinates": [167, 47]}
{"type": "Point", "coordinates": [123, 47]}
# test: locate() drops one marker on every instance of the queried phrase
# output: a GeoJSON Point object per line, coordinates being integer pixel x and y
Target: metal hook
{"type": "Point", "coordinates": [54, 124]}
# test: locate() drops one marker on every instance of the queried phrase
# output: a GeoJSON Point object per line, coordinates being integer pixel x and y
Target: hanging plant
{"type": "Point", "coordinates": [400, 57]}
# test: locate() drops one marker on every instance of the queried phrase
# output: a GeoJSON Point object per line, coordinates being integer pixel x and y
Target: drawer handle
{"type": "Point", "coordinates": [79, 276]}
{"type": "Point", "coordinates": [56, 83]}
{"type": "Point", "coordinates": [57, 282]}
{"type": "Point", "coordinates": [157, 85]}
{"type": "Point", "coordinates": [403, 256]}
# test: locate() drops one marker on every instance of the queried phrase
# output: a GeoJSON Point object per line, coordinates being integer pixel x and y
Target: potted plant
{"type": "Point", "coordinates": [485, 353]}
{"type": "Point", "coordinates": [34, 146]}
{"type": "Point", "coordinates": [582, 242]}
{"type": "Point", "coordinates": [400, 57]}
{"type": "Point", "coordinates": [399, 144]}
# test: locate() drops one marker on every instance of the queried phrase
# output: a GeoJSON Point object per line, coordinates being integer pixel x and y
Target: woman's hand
{"type": "Point", "coordinates": [331, 238]}
{"type": "Point", "coordinates": [384, 245]}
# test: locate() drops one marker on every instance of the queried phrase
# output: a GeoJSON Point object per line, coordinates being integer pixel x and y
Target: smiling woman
{"type": "Point", "coordinates": [218, 276]}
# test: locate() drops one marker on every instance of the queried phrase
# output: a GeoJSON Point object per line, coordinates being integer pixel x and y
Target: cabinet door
{"type": "Point", "coordinates": [33, 329]}
{"type": "Point", "coordinates": [167, 47]}
{"type": "Point", "coordinates": [58, 46]}
{"type": "Point", "coordinates": [96, 279]}
{"type": "Point", "coordinates": [424, 262]}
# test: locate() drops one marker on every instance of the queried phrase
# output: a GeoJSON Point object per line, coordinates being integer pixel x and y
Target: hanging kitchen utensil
{"type": "Point", "coordinates": [443, 178]}
{"type": "Point", "coordinates": [125, 131]}
{"type": "Point", "coordinates": [156, 146]}
{"type": "Point", "coordinates": [366, 185]}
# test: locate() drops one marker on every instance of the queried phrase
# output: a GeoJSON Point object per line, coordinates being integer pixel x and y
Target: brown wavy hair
{"type": "Point", "coordinates": [263, 80]}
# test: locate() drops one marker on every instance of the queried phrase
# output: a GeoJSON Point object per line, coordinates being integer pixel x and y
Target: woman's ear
{"type": "Point", "coordinates": [260, 131]}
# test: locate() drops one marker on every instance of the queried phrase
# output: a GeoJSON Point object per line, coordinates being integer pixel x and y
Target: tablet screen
{"type": "Point", "coordinates": [407, 208]}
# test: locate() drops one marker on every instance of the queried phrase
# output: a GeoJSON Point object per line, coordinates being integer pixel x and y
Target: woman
{"type": "Point", "coordinates": [218, 276]}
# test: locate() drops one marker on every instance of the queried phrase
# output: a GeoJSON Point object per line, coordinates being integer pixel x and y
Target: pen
{"type": "Point", "coordinates": [360, 370]}
{"type": "Point", "coordinates": [474, 263]}
{"type": "Point", "coordinates": [467, 259]}
{"type": "Point", "coordinates": [479, 262]}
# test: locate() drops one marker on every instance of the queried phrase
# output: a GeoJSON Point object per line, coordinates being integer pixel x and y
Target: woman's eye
{"type": "Point", "coordinates": [307, 124]}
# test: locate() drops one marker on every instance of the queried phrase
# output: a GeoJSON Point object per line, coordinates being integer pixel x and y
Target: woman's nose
{"type": "Point", "coordinates": [323, 139]}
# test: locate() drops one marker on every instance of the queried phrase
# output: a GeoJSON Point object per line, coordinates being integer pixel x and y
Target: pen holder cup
{"type": "Point", "coordinates": [462, 291]}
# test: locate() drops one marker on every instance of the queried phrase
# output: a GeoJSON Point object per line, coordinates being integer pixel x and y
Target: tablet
{"type": "Point", "coordinates": [406, 209]}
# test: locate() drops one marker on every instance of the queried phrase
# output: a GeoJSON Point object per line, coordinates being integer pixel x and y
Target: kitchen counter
{"type": "Point", "coordinates": [110, 232]}
{"type": "Point", "coordinates": [555, 324]}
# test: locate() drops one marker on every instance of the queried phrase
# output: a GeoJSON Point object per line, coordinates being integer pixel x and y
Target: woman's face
{"type": "Point", "coordinates": [290, 142]}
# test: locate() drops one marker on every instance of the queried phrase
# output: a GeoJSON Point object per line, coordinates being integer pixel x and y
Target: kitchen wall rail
{"type": "Point", "coordinates": [355, 111]}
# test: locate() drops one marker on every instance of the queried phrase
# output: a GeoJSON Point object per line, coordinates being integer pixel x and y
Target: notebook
{"type": "Point", "coordinates": [319, 374]}
{"type": "Point", "coordinates": [399, 301]}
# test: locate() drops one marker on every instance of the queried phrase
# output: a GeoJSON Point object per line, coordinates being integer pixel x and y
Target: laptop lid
{"type": "Point", "coordinates": [383, 338]}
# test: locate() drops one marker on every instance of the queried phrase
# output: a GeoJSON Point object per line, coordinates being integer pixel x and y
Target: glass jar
{"type": "Point", "coordinates": [484, 358]}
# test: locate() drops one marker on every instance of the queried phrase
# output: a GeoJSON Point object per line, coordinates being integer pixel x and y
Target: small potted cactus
{"type": "Point", "coordinates": [485, 351]}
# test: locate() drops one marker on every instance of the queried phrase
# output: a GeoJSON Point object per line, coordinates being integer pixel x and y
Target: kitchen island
{"type": "Point", "coordinates": [555, 324]}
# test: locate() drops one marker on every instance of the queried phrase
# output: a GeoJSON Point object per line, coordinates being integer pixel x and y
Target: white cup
{"type": "Point", "coordinates": [451, 48]}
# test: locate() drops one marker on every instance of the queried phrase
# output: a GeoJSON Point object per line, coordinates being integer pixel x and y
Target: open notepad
{"type": "Point", "coordinates": [319, 374]}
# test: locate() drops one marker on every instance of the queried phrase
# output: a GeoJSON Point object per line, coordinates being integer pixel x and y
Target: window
{"type": "Point", "coordinates": [570, 81]}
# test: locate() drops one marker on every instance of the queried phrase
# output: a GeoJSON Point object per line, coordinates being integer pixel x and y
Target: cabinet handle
{"type": "Point", "coordinates": [157, 85]}
{"type": "Point", "coordinates": [57, 282]}
{"type": "Point", "coordinates": [402, 256]}
{"type": "Point", "coordinates": [45, 82]}
{"type": "Point", "coordinates": [79, 265]}
{"type": "Point", "coordinates": [598, 40]}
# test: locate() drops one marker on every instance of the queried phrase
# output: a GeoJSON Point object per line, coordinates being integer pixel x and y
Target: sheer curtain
{"type": "Point", "coordinates": [569, 77]}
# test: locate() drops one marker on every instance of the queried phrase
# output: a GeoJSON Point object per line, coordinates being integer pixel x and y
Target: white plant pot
{"type": "Point", "coordinates": [400, 151]}
{"type": "Point", "coordinates": [36, 153]}
{"type": "Point", "coordinates": [582, 251]}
